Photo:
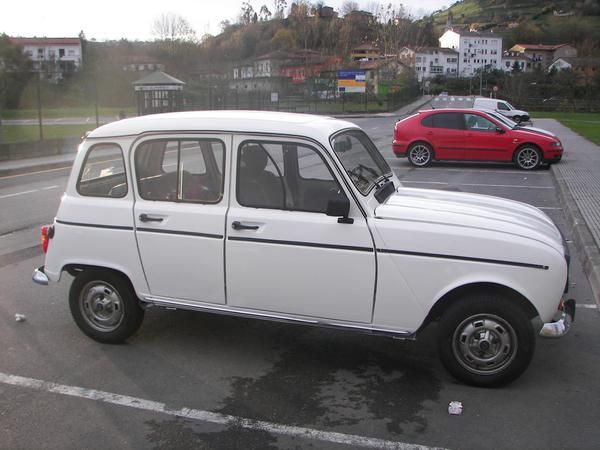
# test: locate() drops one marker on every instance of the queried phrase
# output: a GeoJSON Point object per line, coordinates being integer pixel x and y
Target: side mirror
{"type": "Point", "coordinates": [339, 207]}
{"type": "Point", "coordinates": [499, 130]}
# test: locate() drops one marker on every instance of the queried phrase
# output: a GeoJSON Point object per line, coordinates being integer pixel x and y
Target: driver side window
{"type": "Point", "coordinates": [284, 175]}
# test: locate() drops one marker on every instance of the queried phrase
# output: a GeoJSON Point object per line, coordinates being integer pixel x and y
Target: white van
{"type": "Point", "coordinates": [501, 106]}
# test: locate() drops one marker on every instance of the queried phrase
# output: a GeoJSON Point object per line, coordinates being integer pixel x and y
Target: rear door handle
{"type": "Point", "coordinates": [236, 225]}
{"type": "Point", "coordinates": [146, 218]}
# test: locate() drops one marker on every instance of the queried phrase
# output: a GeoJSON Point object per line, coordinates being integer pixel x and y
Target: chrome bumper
{"type": "Point", "coordinates": [560, 327]}
{"type": "Point", "coordinates": [39, 276]}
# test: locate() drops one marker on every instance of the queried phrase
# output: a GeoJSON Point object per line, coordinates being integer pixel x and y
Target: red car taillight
{"type": "Point", "coordinates": [47, 234]}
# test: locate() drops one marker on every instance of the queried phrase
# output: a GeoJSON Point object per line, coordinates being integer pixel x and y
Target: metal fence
{"type": "Point", "coordinates": [317, 103]}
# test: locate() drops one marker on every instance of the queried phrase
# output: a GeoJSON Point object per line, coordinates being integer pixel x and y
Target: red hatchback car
{"type": "Point", "coordinates": [471, 135]}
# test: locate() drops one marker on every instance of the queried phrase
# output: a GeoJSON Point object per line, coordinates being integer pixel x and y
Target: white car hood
{"type": "Point", "coordinates": [482, 212]}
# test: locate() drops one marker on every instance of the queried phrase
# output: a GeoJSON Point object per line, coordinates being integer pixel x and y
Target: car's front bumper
{"type": "Point", "coordinates": [562, 323]}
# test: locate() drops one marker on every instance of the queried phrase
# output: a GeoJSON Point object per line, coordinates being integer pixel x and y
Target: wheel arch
{"type": "Point", "coordinates": [75, 269]}
{"type": "Point", "coordinates": [442, 304]}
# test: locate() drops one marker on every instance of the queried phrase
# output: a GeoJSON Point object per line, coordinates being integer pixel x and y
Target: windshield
{"type": "Point", "coordinates": [361, 159]}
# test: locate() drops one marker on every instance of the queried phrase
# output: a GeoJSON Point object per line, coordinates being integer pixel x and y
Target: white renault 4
{"type": "Point", "coordinates": [299, 218]}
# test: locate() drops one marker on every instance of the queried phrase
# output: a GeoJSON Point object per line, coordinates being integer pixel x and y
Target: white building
{"type": "Point", "coordinates": [55, 56]}
{"type": "Point", "coordinates": [476, 50]}
{"type": "Point", "coordinates": [432, 61]}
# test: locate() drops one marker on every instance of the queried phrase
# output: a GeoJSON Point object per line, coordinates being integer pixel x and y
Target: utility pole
{"type": "Point", "coordinates": [39, 105]}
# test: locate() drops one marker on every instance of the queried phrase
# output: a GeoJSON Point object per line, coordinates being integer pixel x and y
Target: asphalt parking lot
{"type": "Point", "coordinates": [191, 380]}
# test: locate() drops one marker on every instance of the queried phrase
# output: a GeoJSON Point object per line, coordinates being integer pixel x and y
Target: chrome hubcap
{"type": "Point", "coordinates": [528, 158]}
{"type": "Point", "coordinates": [101, 306]}
{"type": "Point", "coordinates": [484, 344]}
{"type": "Point", "coordinates": [420, 155]}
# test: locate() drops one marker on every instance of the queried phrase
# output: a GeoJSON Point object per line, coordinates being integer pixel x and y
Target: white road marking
{"type": "Point", "coordinates": [549, 208]}
{"type": "Point", "coordinates": [205, 416]}
{"type": "Point", "coordinates": [480, 184]}
{"type": "Point", "coordinates": [34, 173]}
{"type": "Point", "coordinates": [586, 306]}
{"type": "Point", "coordinates": [16, 194]}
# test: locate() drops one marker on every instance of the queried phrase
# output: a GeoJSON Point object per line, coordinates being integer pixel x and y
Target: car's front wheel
{"type": "Point", "coordinates": [528, 157]}
{"type": "Point", "coordinates": [420, 154]}
{"type": "Point", "coordinates": [486, 340]}
{"type": "Point", "coordinates": [517, 119]}
{"type": "Point", "coordinates": [104, 306]}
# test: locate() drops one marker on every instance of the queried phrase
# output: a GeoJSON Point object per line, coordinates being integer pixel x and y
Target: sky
{"type": "Point", "coordinates": [132, 19]}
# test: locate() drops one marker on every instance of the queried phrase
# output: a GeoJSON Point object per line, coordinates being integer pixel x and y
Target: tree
{"type": "Point", "coordinates": [279, 6]}
{"type": "Point", "coordinates": [174, 28]}
{"type": "Point", "coordinates": [264, 14]}
{"type": "Point", "coordinates": [247, 13]}
{"type": "Point", "coordinates": [348, 7]}
{"type": "Point", "coordinates": [15, 72]}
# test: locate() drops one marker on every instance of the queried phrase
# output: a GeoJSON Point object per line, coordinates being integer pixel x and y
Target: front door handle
{"type": "Point", "coordinates": [240, 226]}
{"type": "Point", "coordinates": [146, 218]}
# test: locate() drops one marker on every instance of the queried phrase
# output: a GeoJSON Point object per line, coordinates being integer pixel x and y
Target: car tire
{"type": "Point", "coordinates": [420, 154]}
{"type": "Point", "coordinates": [486, 340]}
{"type": "Point", "coordinates": [104, 306]}
{"type": "Point", "coordinates": [528, 157]}
{"type": "Point", "coordinates": [517, 119]}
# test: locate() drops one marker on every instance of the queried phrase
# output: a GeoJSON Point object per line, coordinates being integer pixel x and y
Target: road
{"type": "Point", "coordinates": [190, 380]}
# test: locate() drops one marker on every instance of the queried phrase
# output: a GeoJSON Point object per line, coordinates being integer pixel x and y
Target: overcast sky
{"type": "Point", "coordinates": [132, 19]}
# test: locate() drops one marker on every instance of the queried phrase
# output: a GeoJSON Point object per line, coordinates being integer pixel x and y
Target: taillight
{"type": "Point", "coordinates": [47, 234]}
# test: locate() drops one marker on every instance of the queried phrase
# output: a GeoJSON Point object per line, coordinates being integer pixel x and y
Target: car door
{"type": "Point", "coordinates": [484, 141]}
{"type": "Point", "coordinates": [283, 253]}
{"type": "Point", "coordinates": [179, 215]}
{"type": "Point", "coordinates": [446, 133]}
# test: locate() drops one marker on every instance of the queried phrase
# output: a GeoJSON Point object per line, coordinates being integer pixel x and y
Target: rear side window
{"type": "Point", "coordinates": [451, 121]}
{"type": "Point", "coordinates": [103, 172]}
{"type": "Point", "coordinates": [180, 170]}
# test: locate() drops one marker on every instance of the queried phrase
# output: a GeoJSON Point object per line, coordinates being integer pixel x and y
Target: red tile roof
{"type": "Point", "coordinates": [45, 41]}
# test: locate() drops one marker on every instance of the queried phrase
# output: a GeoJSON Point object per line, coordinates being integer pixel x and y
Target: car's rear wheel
{"type": "Point", "coordinates": [528, 157]}
{"type": "Point", "coordinates": [486, 340]}
{"type": "Point", "coordinates": [420, 154]}
{"type": "Point", "coordinates": [104, 306]}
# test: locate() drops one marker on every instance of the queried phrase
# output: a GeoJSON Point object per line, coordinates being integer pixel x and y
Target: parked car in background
{"type": "Point", "coordinates": [299, 219]}
{"type": "Point", "coordinates": [471, 135]}
{"type": "Point", "coordinates": [501, 106]}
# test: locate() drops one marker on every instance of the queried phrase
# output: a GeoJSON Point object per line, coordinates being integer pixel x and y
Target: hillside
{"type": "Point", "coordinates": [576, 22]}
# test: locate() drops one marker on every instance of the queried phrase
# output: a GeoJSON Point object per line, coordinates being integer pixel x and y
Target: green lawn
{"type": "Point", "coordinates": [28, 133]}
{"type": "Point", "coordinates": [585, 124]}
{"type": "Point", "coordinates": [54, 113]}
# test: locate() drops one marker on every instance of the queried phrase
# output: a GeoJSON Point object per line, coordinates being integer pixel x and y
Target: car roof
{"type": "Point", "coordinates": [457, 110]}
{"type": "Point", "coordinates": [319, 127]}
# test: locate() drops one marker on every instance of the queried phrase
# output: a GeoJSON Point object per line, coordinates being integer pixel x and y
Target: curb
{"type": "Point", "coordinates": [582, 237]}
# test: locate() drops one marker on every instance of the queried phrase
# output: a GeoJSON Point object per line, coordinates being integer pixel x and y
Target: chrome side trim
{"type": "Point", "coordinates": [240, 312]}
{"type": "Point", "coordinates": [39, 276]}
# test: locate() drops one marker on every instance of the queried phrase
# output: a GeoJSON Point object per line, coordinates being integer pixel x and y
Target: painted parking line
{"type": "Point", "coordinates": [205, 416]}
{"type": "Point", "coordinates": [479, 184]}
{"type": "Point", "coordinates": [586, 306]}
{"type": "Point", "coordinates": [8, 177]}
{"type": "Point", "coordinates": [16, 194]}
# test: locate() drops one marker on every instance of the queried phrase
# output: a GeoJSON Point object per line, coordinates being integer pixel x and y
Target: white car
{"type": "Point", "coordinates": [502, 107]}
{"type": "Point", "coordinates": [299, 218]}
